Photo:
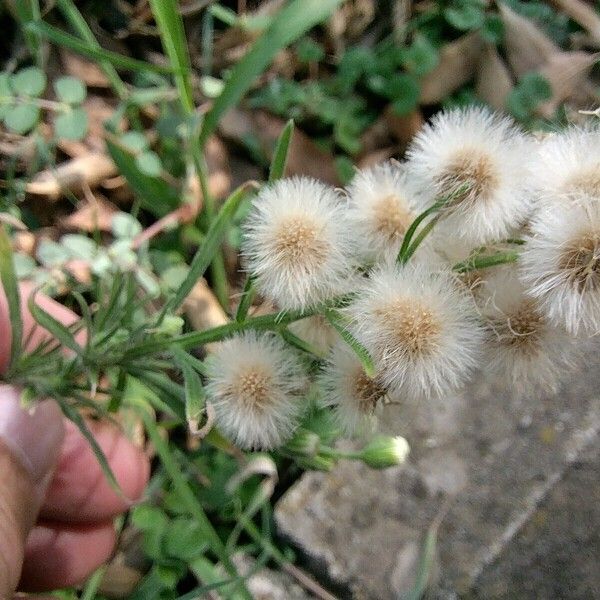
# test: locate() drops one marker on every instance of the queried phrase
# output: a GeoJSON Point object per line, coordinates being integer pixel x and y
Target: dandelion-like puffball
{"type": "Point", "coordinates": [420, 327]}
{"type": "Point", "coordinates": [522, 346]}
{"type": "Point", "coordinates": [560, 265]}
{"type": "Point", "coordinates": [353, 395]}
{"type": "Point", "coordinates": [298, 244]}
{"type": "Point", "coordinates": [567, 165]}
{"type": "Point", "coordinates": [478, 161]}
{"type": "Point", "coordinates": [381, 209]}
{"type": "Point", "coordinates": [255, 383]}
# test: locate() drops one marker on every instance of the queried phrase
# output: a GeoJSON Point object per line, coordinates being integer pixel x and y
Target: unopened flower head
{"type": "Point", "coordinates": [522, 346]}
{"type": "Point", "coordinates": [567, 165]}
{"type": "Point", "coordinates": [384, 451]}
{"type": "Point", "coordinates": [298, 244]}
{"type": "Point", "coordinates": [381, 209]}
{"type": "Point", "coordinates": [420, 327]}
{"type": "Point", "coordinates": [353, 395]}
{"type": "Point", "coordinates": [560, 265]}
{"type": "Point", "coordinates": [476, 160]}
{"type": "Point", "coordinates": [255, 383]}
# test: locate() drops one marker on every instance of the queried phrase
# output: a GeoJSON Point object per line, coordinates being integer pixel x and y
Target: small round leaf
{"type": "Point", "coordinates": [406, 94]}
{"type": "Point", "coordinates": [22, 118]}
{"type": "Point", "coordinates": [134, 141]}
{"type": "Point", "coordinates": [70, 90]}
{"type": "Point", "coordinates": [149, 163]}
{"type": "Point", "coordinates": [71, 125]}
{"type": "Point", "coordinates": [125, 226]}
{"type": "Point", "coordinates": [29, 82]}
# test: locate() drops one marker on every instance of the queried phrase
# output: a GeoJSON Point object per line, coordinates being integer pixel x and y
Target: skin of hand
{"type": "Point", "coordinates": [56, 507]}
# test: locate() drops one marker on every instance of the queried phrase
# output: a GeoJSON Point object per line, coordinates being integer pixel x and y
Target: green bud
{"type": "Point", "coordinates": [171, 325]}
{"type": "Point", "coordinates": [384, 451]}
{"type": "Point", "coordinates": [304, 443]}
{"type": "Point", "coordinates": [318, 463]}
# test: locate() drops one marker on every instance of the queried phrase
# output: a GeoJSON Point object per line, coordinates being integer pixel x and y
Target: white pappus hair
{"type": "Point", "coordinates": [256, 384]}
{"type": "Point", "coordinates": [380, 209]}
{"type": "Point", "coordinates": [479, 161]}
{"type": "Point", "coordinates": [522, 346]}
{"type": "Point", "coordinates": [346, 388]}
{"type": "Point", "coordinates": [560, 264]}
{"type": "Point", "coordinates": [298, 244]}
{"type": "Point", "coordinates": [420, 327]}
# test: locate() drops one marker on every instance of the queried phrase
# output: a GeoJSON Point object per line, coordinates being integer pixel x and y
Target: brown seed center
{"type": "Point", "coordinates": [300, 241]}
{"type": "Point", "coordinates": [391, 217]}
{"type": "Point", "coordinates": [368, 392]}
{"type": "Point", "coordinates": [254, 388]}
{"type": "Point", "coordinates": [521, 327]}
{"type": "Point", "coordinates": [585, 181]}
{"type": "Point", "coordinates": [468, 177]}
{"type": "Point", "coordinates": [581, 260]}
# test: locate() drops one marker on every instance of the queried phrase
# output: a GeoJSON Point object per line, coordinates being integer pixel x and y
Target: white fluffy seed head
{"type": "Point", "coordinates": [567, 165]}
{"type": "Point", "coordinates": [420, 327]}
{"type": "Point", "coordinates": [298, 244]}
{"type": "Point", "coordinates": [381, 209]}
{"type": "Point", "coordinates": [255, 383]}
{"type": "Point", "coordinates": [353, 396]}
{"type": "Point", "coordinates": [560, 265]}
{"type": "Point", "coordinates": [522, 346]}
{"type": "Point", "coordinates": [480, 160]}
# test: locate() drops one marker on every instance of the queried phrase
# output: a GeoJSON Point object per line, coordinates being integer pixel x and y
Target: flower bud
{"type": "Point", "coordinates": [384, 451]}
{"type": "Point", "coordinates": [304, 443]}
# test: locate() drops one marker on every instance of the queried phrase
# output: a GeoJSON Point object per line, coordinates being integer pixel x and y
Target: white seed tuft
{"type": "Point", "coordinates": [255, 383]}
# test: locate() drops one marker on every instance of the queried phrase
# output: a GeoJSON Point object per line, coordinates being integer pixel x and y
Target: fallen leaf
{"type": "Point", "coordinates": [457, 65]}
{"type": "Point", "coordinates": [403, 128]}
{"type": "Point", "coordinates": [494, 82]}
{"type": "Point", "coordinates": [91, 216]}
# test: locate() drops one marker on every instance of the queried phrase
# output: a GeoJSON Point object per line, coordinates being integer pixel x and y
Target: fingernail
{"type": "Point", "coordinates": [34, 436]}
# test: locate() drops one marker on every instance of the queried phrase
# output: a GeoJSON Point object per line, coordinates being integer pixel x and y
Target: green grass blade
{"type": "Point", "coordinates": [206, 253]}
{"type": "Point", "coordinates": [60, 38]}
{"type": "Point", "coordinates": [75, 19]}
{"type": "Point", "coordinates": [246, 300]}
{"type": "Point", "coordinates": [28, 11]}
{"type": "Point", "coordinates": [339, 324]}
{"type": "Point", "coordinates": [295, 19]}
{"type": "Point", "coordinates": [195, 397]}
{"type": "Point", "coordinates": [11, 290]}
{"type": "Point", "coordinates": [172, 35]}
{"type": "Point", "coordinates": [280, 155]}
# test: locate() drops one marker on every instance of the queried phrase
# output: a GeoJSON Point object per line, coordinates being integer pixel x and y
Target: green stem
{"type": "Point", "coordinates": [419, 238]}
{"type": "Point", "coordinates": [483, 262]}
{"type": "Point", "coordinates": [187, 496]}
{"type": "Point", "coordinates": [411, 231]}
{"type": "Point", "coordinates": [246, 300]}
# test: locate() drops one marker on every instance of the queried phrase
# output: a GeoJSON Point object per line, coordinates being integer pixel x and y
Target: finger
{"type": "Point", "coordinates": [60, 555]}
{"type": "Point", "coordinates": [33, 334]}
{"type": "Point", "coordinates": [29, 447]}
{"type": "Point", "coordinates": [79, 491]}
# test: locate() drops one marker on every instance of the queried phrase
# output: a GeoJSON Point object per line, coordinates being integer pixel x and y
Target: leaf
{"type": "Point", "coordinates": [70, 90]}
{"type": "Point", "coordinates": [125, 226]}
{"type": "Point", "coordinates": [195, 396]}
{"type": "Point", "coordinates": [60, 38]}
{"type": "Point", "coordinates": [71, 125]}
{"type": "Point", "coordinates": [11, 290]}
{"type": "Point", "coordinates": [207, 251]}
{"type": "Point", "coordinates": [280, 154]}
{"type": "Point", "coordinates": [289, 24]}
{"type": "Point", "coordinates": [149, 163]}
{"type": "Point", "coordinates": [51, 254]}
{"type": "Point", "coordinates": [492, 30]}
{"type": "Point", "coordinates": [134, 141]}
{"type": "Point", "coordinates": [421, 57]}
{"type": "Point", "coordinates": [172, 34]}
{"type": "Point", "coordinates": [406, 96]}
{"type": "Point", "coordinates": [79, 246]}
{"type": "Point", "coordinates": [30, 82]}
{"type": "Point", "coordinates": [22, 118]}
{"type": "Point", "coordinates": [6, 95]}
{"type": "Point", "coordinates": [466, 17]}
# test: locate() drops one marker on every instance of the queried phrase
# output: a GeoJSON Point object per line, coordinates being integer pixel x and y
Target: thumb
{"type": "Point", "coordinates": [30, 443]}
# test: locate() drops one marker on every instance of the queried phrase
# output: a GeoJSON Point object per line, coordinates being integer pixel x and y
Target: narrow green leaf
{"type": "Point", "coordinates": [300, 344]}
{"type": "Point", "coordinates": [11, 290]}
{"type": "Point", "coordinates": [60, 38]}
{"type": "Point", "coordinates": [280, 155]}
{"type": "Point", "coordinates": [149, 163]}
{"type": "Point", "coordinates": [205, 254]}
{"type": "Point", "coordinates": [339, 324]}
{"type": "Point", "coordinates": [291, 22]}
{"type": "Point", "coordinates": [57, 329]}
{"type": "Point", "coordinates": [28, 11]}
{"type": "Point", "coordinates": [73, 415]}
{"type": "Point", "coordinates": [78, 23]}
{"type": "Point", "coordinates": [483, 262]}
{"type": "Point", "coordinates": [172, 34]}
{"type": "Point", "coordinates": [246, 300]}
{"type": "Point", "coordinates": [195, 396]}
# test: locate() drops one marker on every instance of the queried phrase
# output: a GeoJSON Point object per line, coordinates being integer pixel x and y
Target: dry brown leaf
{"type": "Point", "coordinates": [91, 216]}
{"type": "Point", "coordinates": [90, 73]}
{"type": "Point", "coordinates": [219, 173]}
{"type": "Point", "coordinates": [401, 12]}
{"type": "Point", "coordinates": [304, 157]}
{"type": "Point", "coordinates": [458, 62]}
{"type": "Point", "coordinates": [583, 14]}
{"type": "Point", "coordinates": [404, 128]}
{"type": "Point", "coordinates": [349, 22]}
{"type": "Point", "coordinates": [494, 82]}
{"type": "Point", "coordinates": [566, 72]}
{"type": "Point", "coordinates": [90, 169]}
{"type": "Point", "coordinates": [527, 47]}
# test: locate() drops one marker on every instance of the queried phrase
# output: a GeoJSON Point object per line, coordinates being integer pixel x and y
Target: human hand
{"type": "Point", "coordinates": [56, 507]}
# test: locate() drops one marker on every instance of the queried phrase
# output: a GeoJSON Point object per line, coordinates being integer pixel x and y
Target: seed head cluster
{"type": "Point", "coordinates": [505, 279]}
